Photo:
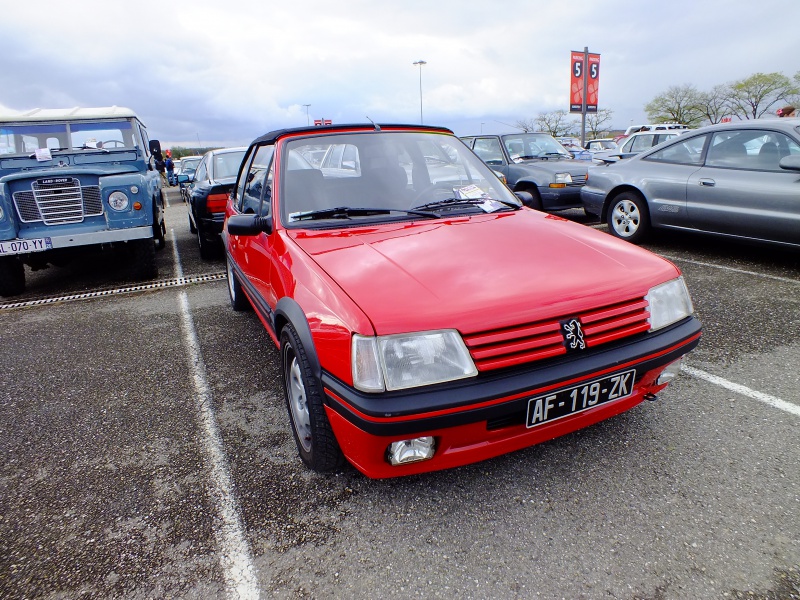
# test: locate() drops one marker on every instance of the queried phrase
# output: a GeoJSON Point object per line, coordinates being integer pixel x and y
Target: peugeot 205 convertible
{"type": "Point", "coordinates": [426, 317]}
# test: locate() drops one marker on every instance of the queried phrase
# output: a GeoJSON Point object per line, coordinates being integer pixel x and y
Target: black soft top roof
{"type": "Point", "coordinates": [272, 136]}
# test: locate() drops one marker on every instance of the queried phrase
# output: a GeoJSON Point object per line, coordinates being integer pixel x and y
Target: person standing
{"type": "Point", "coordinates": [170, 166]}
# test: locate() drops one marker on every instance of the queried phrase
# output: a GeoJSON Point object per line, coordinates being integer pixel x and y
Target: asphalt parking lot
{"type": "Point", "coordinates": [146, 453]}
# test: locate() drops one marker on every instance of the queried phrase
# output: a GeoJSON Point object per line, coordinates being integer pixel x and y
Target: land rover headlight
{"type": "Point", "coordinates": [118, 201]}
{"type": "Point", "coordinates": [668, 303]}
{"type": "Point", "coordinates": [397, 362]}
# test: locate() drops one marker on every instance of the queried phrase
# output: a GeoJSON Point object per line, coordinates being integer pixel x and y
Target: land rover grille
{"type": "Point", "coordinates": [58, 201]}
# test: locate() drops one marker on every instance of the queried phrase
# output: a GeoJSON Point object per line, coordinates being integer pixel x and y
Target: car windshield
{"type": "Point", "coordinates": [83, 135]}
{"type": "Point", "coordinates": [189, 165]}
{"type": "Point", "coordinates": [524, 146]}
{"type": "Point", "coordinates": [387, 175]}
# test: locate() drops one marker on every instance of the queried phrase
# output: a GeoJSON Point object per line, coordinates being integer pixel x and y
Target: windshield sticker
{"type": "Point", "coordinates": [43, 154]}
{"type": "Point", "coordinates": [470, 192]}
{"type": "Point", "coordinates": [491, 205]}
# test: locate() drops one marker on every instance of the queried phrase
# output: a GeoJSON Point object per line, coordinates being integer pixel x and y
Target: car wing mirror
{"type": "Point", "coordinates": [248, 225]}
{"type": "Point", "coordinates": [526, 198]}
{"type": "Point", "coordinates": [790, 163]}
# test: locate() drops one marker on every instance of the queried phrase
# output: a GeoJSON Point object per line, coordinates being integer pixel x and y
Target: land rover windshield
{"type": "Point", "coordinates": [84, 135]}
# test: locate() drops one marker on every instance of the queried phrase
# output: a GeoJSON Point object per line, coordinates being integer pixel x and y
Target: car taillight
{"type": "Point", "coordinates": [216, 202]}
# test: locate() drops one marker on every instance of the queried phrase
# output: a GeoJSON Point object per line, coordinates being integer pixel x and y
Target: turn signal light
{"type": "Point", "coordinates": [137, 206]}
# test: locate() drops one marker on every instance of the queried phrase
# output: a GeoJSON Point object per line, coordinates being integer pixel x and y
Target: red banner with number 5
{"type": "Point", "coordinates": [577, 60]}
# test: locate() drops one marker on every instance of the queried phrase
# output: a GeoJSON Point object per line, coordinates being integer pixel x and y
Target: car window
{"type": "Point", "coordinates": [254, 191]}
{"type": "Point", "coordinates": [202, 169]}
{"type": "Point", "coordinates": [750, 149]}
{"type": "Point", "coordinates": [640, 143]}
{"type": "Point", "coordinates": [488, 149]}
{"type": "Point", "coordinates": [238, 190]}
{"type": "Point", "coordinates": [687, 151]}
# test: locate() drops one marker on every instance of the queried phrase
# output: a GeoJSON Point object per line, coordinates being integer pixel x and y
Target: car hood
{"type": "Point", "coordinates": [483, 272]}
{"type": "Point", "coordinates": [557, 165]}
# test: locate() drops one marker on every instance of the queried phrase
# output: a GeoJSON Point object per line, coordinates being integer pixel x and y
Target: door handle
{"type": "Point", "coordinates": [708, 182]}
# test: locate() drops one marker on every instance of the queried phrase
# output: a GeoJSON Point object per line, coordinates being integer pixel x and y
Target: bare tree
{"type": "Point", "coordinates": [556, 123]}
{"type": "Point", "coordinates": [596, 123]}
{"type": "Point", "coordinates": [714, 105]}
{"type": "Point", "coordinates": [679, 104]}
{"type": "Point", "coordinates": [526, 125]}
{"type": "Point", "coordinates": [754, 96]}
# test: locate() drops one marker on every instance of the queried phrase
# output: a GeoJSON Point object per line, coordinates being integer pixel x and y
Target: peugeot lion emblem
{"type": "Point", "coordinates": [573, 335]}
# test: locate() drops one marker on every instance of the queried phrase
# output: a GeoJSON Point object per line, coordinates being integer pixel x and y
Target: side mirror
{"type": "Point", "coordinates": [526, 198]}
{"type": "Point", "coordinates": [155, 147]}
{"type": "Point", "coordinates": [183, 178]}
{"type": "Point", "coordinates": [790, 163]}
{"type": "Point", "coordinates": [248, 225]}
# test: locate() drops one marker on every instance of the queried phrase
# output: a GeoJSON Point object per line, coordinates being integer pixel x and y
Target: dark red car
{"type": "Point", "coordinates": [425, 317]}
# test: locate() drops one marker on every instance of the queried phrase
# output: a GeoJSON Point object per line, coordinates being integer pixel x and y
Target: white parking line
{"type": "Point", "coordinates": [744, 391]}
{"type": "Point", "coordinates": [235, 558]}
{"type": "Point", "coordinates": [724, 268]}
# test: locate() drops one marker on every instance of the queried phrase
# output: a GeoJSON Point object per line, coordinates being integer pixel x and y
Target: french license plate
{"type": "Point", "coordinates": [569, 401]}
{"type": "Point", "coordinates": [23, 246]}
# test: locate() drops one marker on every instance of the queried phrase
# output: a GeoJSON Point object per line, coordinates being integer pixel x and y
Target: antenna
{"type": "Point", "coordinates": [375, 125]}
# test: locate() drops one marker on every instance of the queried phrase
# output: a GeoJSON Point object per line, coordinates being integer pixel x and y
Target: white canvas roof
{"type": "Point", "coordinates": [67, 114]}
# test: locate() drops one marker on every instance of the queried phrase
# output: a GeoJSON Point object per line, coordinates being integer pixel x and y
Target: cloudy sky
{"type": "Point", "coordinates": [224, 72]}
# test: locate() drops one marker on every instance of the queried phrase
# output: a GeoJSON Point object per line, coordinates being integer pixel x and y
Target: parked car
{"type": "Point", "coordinates": [207, 193]}
{"type": "Point", "coordinates": [634, 144]}
{"type": "Point", "coordinates": [535, 163]}
{"type": "Point", "coordinates": [650, 127]}
{"type": "Point", "coordinates": [573, 145]}
{"type": "Point", "coordinates": [737, 180]}
{"type": "Point", "coordinates": [424, 325]}
{"type": "Point", "coordinates": [77, 178]}
{"type": "Point", "coordinates": [176, 170]}
{"type": "Point", "coordinates": [188, 167]}
{"type": "Point", "coordinates": [601, 144]}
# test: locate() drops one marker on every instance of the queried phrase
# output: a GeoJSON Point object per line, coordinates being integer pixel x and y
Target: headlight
{"type": "Point", "coordinates": [118, 201]}
{"type": "Point", "coordinates": [563, 178]}
{"type": "Point", "coordinates": [668, 303]}
{"type": "Point", "coordinates": [397, 362]}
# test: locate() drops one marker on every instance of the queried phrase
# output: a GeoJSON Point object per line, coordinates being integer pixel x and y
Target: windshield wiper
{"type": "Point", "coordinates": [454, 202]}
{"type": "Point", "coordinates": [346, 212]}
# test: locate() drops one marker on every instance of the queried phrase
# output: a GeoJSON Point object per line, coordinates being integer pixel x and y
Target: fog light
{"type": "Point", "coordinates": [409, 451]}
{"type": "Point", "coordinates": [670, 373]}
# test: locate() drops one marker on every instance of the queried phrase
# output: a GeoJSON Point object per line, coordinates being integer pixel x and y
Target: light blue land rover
{"type": "Point", "coordinates": [73, 178]}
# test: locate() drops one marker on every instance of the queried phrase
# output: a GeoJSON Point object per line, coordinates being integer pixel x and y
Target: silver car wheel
{"type": "Point", "coordinates": [625, 218]}
{"type": "Point", "coordinates": [298, 404]}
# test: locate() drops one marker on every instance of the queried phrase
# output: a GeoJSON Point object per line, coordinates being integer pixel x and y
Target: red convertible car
{"type": "Point", "coordinates": [426, 317]}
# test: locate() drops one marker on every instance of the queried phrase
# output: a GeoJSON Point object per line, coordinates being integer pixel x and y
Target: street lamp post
{"type": "Point", "coordinates": [308, 120]}
{"type": "Point", "coordinates": [419, 64]}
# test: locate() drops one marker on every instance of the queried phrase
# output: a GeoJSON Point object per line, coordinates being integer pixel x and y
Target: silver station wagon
{"type": "Point", "coordinates": [737, 180]}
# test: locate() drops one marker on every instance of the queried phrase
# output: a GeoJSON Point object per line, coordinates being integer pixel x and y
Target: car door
{"type": "Point", "coordinates": [490, 151]}
{"type": "Point", "coordinates": [253, 253]}
{"type": "Point", "coordinates": [741, 189]}
{"type": "Point", "coordinates": [663, 176]}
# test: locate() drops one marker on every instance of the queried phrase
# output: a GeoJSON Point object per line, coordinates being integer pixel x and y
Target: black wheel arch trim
{"type": "Point", "coordinates": [287, 310]}
{"type": "Point", "coordinates": [356, 407]}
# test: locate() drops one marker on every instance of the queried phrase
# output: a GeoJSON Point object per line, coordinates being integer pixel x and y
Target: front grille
{"type": "Point", "coordinates": [57, 201]}
{"type": "Point", "coordinates": [530, 342]}
{"type": "Point", "coordinates": [578, 180]}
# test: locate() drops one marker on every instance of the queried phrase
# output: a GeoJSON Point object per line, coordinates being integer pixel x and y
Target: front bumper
{"type": "Point", "coordinates": [106, 236]}
{"type": "Point", "coordinates": [592, 201]}
{"type": "Point", "coordinates": [560, 198]}
{"type": "Point", "coordinates": [481, 418]}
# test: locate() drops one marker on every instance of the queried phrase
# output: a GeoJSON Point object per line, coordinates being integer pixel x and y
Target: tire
{"type": "Point", "coordinates": [312, 431]}
{"type": "Point", "coordinates": [536, 203]}
{"type": "Point", "coordinates": [12, 276]}
{"type": "Point", "coordinates": [144, 259]}
{"type": "Point", "coordinates": [159, 227]}
{"type": "Point", "coordinates": [207, 249]}
{"type": "Point", "coordinates": [239, 301]}
{"type": "Point", "coordinates": [628, 217]}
